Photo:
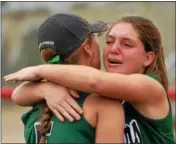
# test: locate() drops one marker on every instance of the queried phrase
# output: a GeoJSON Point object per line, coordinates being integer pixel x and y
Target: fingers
{"type": "Point", "coordinates": [74, 105]}
{"type": "Point", "coordinates": [74, 93]}
{"type": "Point", "coordinates": [11, 77]}
{"type": "Point", "coordinates": [70, 110]}
{"type": "Point", "coordinates": [65, 113]}
{"type": "Point", "coordinates": [7, 77]}
{"type": "Point", "coordinates": [58, 115]}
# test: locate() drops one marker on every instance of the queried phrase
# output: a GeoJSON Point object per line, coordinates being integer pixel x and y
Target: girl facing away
{"type": "Point", "coordinates": [69, 39]}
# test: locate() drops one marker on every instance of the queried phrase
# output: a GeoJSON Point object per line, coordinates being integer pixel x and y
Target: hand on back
{"type": "Point", "coordinates": [59, 99]}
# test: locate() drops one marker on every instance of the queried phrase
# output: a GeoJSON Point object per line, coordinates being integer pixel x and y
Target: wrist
{"type": "Point", "coordinates": [42, 86]}
{"type": "Point", "coordinates": [38, 70]}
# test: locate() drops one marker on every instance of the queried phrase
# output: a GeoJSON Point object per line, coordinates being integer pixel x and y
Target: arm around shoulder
{"type": "Point", "coordinates": [135, 88]}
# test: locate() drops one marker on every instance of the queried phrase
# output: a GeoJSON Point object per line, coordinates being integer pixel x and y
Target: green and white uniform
{"type": "Point", "coordinates": [143, 130]}
{"type": "Point", "coordinates": [138, 128]}
{"type": "Point", "coordinates": [61, 132]}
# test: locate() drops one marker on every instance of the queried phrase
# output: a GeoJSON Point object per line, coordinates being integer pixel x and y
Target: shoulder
{"type": "Point", "coordinates": [98, 108]}
{"type": "Point", "coordinates": [104, 104]}
{"type": "Point", "coordinates": [153, 76]}
{"type": "Point", "coordinates": [159, 87]}
{"type": "Point", "coordinates": [150, 83]}
{"type": "Point", "coordinates": [157, 106]}
{"type": "Point", "coordinates": [147, 78]}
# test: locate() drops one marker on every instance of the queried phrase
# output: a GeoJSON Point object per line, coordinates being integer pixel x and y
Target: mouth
{"type": "Point", "coordinates": [111, 61]}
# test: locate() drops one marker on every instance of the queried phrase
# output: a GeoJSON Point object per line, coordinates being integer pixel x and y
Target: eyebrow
{"type": "Point", "coordinates": [124, 38]}
{"type": "Point", "coordinates": [110, 36]}
{"type": "Point", "coordinates": [129, 39]}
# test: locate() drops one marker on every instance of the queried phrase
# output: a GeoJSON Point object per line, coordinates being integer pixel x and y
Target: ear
{"type": "Point", "coordinates": [87, 51]}
{"type": "Point", "coordinates": [150, 56]}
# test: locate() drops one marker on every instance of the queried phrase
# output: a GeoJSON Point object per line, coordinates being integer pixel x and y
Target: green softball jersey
{"type": "Point", "coordinates": [60, 132]}
{"type": "Point", "coordinates": [143, 130]}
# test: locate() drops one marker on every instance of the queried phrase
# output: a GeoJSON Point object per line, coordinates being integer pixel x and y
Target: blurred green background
{"type": "Point", "coordinates": [20, 21]}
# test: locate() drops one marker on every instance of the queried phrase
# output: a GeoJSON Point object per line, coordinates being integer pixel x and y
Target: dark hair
{"type": "Point", "coordinates": [47, 54]}
{"type": "Point", "coordinates": [151, 38]}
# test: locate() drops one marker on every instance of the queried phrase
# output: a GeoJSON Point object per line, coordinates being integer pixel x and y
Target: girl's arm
{"type": "Point", "coordinates": [110, 121]}
{"type": "Point", "coordinates": [56, 96]}
{"type": "Point", "coordinates": [27, 94]}
{"type": "Point", "coordinates": [136, 88]}
{"type": "Point", "coordinates": [146, 95]}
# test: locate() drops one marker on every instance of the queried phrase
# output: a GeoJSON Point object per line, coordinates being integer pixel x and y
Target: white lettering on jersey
{"type": "Point", "coordinates": [132, 133]}
{"type": "Point", "coordinates": [36, 124]}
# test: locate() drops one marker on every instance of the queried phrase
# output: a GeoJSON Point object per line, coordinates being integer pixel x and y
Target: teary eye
{"type": "Point", "coordinates": [108, 42]}
{"type": "Point", "coordinates": [128, 45]}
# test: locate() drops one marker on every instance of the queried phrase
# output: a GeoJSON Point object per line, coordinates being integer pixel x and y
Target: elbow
{"type": "Point", "coordinates": [16, 98]}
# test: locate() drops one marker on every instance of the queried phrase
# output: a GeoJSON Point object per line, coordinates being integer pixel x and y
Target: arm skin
{"type": "Point", "coordinates": [28, 94]}
{"type": "Point", "coordinates": [134, 87]}
{"type": "Point", "coordinates": [144, 93]}
{"type": "Point", "coordinates": [111, 121]}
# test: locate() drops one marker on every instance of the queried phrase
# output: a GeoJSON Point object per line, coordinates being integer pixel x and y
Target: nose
{"type": "Point", "coordinates": [115, 48]}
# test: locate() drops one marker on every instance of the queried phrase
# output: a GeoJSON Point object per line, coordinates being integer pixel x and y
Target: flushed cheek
{"type": "Point", "coordinates": [133, 66]}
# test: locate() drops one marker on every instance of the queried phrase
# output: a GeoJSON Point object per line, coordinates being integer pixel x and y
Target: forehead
{"type": "Point", "coordinates": [124, 30]}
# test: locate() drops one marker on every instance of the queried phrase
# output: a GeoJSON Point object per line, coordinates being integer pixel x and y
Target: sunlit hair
{"type": "Point", "coordinates": [151, 38]}
{"type": "Point", "coordinates": [46, 55]}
